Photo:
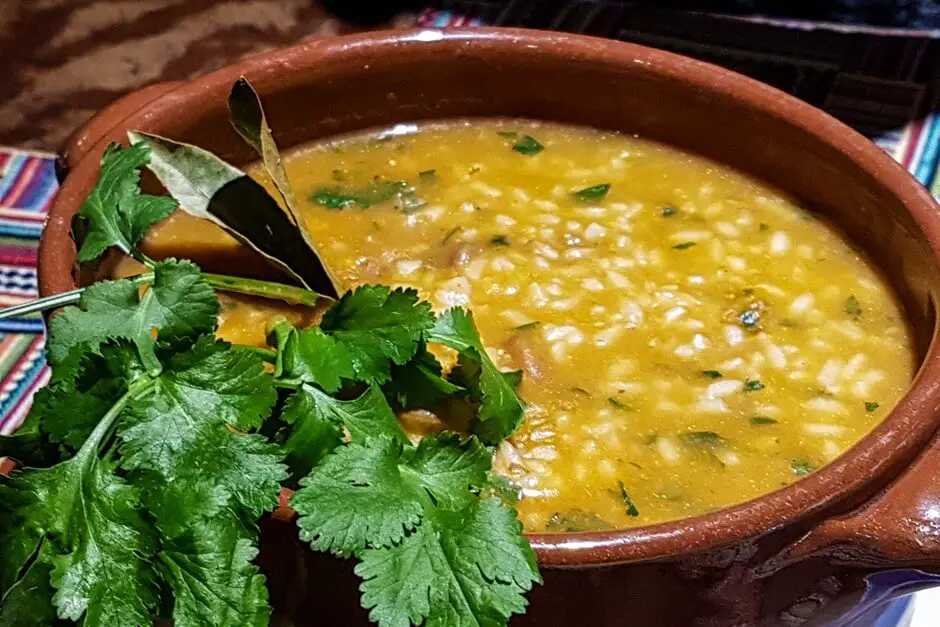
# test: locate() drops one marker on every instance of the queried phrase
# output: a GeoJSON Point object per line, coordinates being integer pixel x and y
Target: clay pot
{"type": "Point", "coordinates": [803, 554]}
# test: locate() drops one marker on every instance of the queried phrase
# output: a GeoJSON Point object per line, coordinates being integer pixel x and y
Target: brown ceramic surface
{"type": "Point", "coordinates": [727, 557]}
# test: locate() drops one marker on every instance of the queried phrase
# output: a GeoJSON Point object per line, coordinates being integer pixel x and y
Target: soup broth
{"type": "Point", "coordinates": [690, 338]}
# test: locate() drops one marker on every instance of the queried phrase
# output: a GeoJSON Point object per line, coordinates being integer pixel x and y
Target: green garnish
{"type": "Point", "coordinates": [178, 299]}
{"type": "Point", "coordinates": [115, 211]}
{"type": "Point", "coordinates": [595, 192]}
{"type": "Point", "coordinates": [627, 501]}
{"type": "Point", "coordinates": [507, 134]}
{"type": "Point", "coordinates": [499, 240]}
{"type": "Point", "coordinates": [149, 459]}
{"type": "Point", "coordinates": [574, 520]}
{"type": "Point", "coordinates": [501, 412]}
{"type": "Point", "coordinates": [377, 192]}
{"type": "Point", "coordinates": [428, 176]}
{"type": "Point", "coordinates": [702, 438]}
{"type": "Point", "coordinates": [581, 391]}
{"type": "Point", "coordinates": [712, 374]}
{"type": "Point", "coordinates": [684, 245]}
{"type": "Point", "coordinates": [406, 512]}
{"type": "Point", "coordinates": [419, 384]}
{"type": "Point", "coordinates": [852, 306]}
{"type": "Point", "coordinates": [669, 211]}
{"type": "Point", "coordinates": [753, 385]}
{"type": "Point", "coordinates": [763, 227]}
{"type": "Point", "coordinates": [503, 489]}
{"type": "Point", "coordinates": [613, 402]}
{"type": "Point", "coordinates": [528, 145]}
{"type": "Point", "coordinates": [527, 326]}
{"type": "Point", "coordinates": [871, 406]}
{"type": "Point", "coordinates": [801, 467]}
{"type": "Point", "coordinates": [762, 420]}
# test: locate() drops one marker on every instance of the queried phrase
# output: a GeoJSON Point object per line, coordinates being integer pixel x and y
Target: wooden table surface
{"type": "Point", "coordinates": [63, 60]}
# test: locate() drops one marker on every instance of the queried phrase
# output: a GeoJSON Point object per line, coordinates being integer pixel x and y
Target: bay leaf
{"type": "Point", "coordinates": [247, 116]}
{"type": "Point", "coordinates": [207, 187]}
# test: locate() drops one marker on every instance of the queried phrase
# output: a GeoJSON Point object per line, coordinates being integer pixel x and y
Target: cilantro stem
{"type": "Point", "coordinates": [134, 390]}
{"type": "Point", "coordinates": [266, 289]}
{"type": "Point", "coordinates": [252, 287]}
{"type": "Point", "coordinates": [267, 354]}
{"type": "Point", "coordinates": [57, 300]}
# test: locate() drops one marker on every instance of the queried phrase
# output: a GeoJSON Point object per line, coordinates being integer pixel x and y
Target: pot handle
{"type": "Point", "coordinates": [89, 134]}
{"type": "Point", "coordinates": [898, 528]}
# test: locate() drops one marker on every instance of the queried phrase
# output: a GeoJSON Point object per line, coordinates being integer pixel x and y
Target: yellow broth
{"type": "Point", "coordinates": [690, 339]}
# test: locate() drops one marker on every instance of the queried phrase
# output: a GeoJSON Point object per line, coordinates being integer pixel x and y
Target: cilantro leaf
{"type": "Point", "coordinates": [99, 543]}
{"type": "Point", "coordinates": [179, 303]}
{"type": "Point", "coordinates": [528, 145]}
{"type": "Point", "coordinates": [311, 356]}
{"type": "Point", "coordinates": [358, 497]}
{"type": "Point", "coordinates": [27, 445]}
{"type": "Point", "coordinates": [70, 414]}
{"type": "Point", "coordinates": [371, 494]}
{"type": "Point", "coordinates": [631, 508]}
{"type": "Point", "coordinates": [378, 327]}
{"type": "Point", "coordinates": [214, 580]}
{"type": "Point", "coordinates": [419, 384]}
{"type": "Point", "coordinates": [106, 575]}
{"type": "Point", "coordinates": [201, 476]}
{"type": "Point", "coordinates": [503, 489]}
{"type": "Point", "coordinates": [801, 467]}
{"type": "Point", "coordinates": [464, 568]}
{"type": "Point", "coordinates": [115, 211]}
{"type": "Point", "coordinates": [576, 519]}
{"type": "Point", "coordinates": [501, 410]}
{"type": "Point", "coordinates": [595, 192]}
{"type": "Point", "coordinates": [69, 407]}
{"type": "Point", "coordinates": [183, 437]}
{"type": "Point", "coordinates": [401, 192]}
{"type": "Point", "coordinates": [28, 602]}
{"type": "Point", "coordinates": [312, 436]}
{"type": "Point", "coordinates": [852, 306]}
{"type": "Point", "coordinates": [447, 467]}
{"type": "Point", "coordinates": [318, 420]}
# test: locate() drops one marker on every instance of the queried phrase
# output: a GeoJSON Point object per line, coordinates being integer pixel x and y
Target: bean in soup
{"type": "Point", "coordinates": [690, 338]}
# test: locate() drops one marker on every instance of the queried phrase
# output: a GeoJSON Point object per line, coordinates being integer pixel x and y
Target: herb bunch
{"type": "Point", "coordinates": [148, 460]}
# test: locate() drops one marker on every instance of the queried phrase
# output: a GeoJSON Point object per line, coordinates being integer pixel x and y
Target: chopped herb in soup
{"type": "Point", "coordinates": [689, 340]}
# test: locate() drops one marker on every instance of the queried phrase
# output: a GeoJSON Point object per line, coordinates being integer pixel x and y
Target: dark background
{"type": "Point", "coordinates": [63, 60]}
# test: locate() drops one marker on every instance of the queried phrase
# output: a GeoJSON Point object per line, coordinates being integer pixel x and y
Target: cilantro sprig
{"type": "Point", "coordinates": [169, 469]}
{"type": "Point", "coordinates": [147, 462]}
{"type": "Point", "coordinates": [429, 546]}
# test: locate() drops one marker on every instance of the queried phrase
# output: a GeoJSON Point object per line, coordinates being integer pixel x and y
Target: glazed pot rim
{"type": "Point", "coordinates": [901, 435]}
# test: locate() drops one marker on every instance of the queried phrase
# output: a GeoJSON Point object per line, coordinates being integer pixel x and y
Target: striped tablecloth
{"type": "Point", "coordinates": [27, 186]}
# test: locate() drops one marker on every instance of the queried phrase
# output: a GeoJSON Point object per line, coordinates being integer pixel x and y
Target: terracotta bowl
{"type": "Point", "coordinates": [799, 555]}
